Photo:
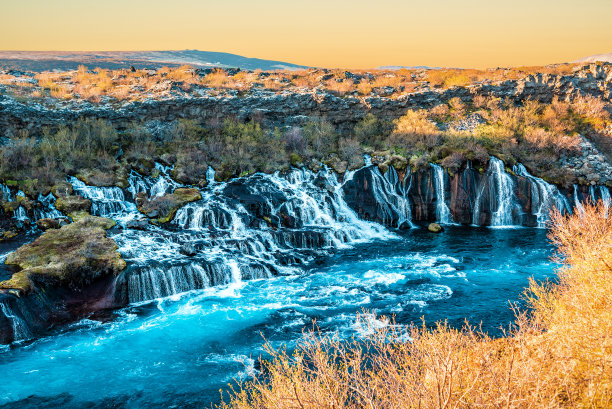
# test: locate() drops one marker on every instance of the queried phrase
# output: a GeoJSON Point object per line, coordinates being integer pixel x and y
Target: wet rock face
{"type": "Point", "coordinates": [63, 274]}
{"type": "Point", "coordinates": [494, 197]}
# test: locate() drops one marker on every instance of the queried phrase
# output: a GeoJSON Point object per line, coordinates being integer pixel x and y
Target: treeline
{"type": "Point", "coordinates": [451, 134]}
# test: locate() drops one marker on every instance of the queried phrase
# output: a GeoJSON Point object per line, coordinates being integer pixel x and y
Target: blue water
{"type": "Point", "coordinates": [179, 351]}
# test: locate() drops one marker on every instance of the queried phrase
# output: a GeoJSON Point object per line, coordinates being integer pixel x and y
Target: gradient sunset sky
{"type": "Point", "coordinates": [332, 33]}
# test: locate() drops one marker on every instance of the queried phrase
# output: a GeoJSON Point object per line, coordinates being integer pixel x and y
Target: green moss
{"type": "Point", "coordinates": [71, 256]}
{"type": "Point", "coordinates": [72, 204]}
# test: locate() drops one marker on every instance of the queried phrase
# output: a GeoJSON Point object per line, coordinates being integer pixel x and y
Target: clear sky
{"type": "Point", "coordinates": [332, 33]}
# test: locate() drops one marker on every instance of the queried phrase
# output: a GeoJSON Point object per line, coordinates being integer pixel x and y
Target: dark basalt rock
{"type": "Point", "coordinates": [46, 224]}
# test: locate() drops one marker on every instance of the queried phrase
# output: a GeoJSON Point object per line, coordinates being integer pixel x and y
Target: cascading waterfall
{"type": "Point", "coordinates": [248, 228]}
{"type": "Point", "coordinates": [545, 197]}
{"type": "Point", "coordinates": [443, 214]}
{"type": "Point", "coordinates": [391, 197]}
{"type": "Point", "coordinates": [47, 209]}
{"type": "Point", "coordinates": [6, 193]}
{"type": "Point", "coordinates": [604, 193]}
{"type": "Point", "coordinates": [106, 201]}
{"type": "Point", "coordinates": [21, 332]}
{"type": "Point", "coordinates": [210, 174]}
{"type": "Point", "coordinates": [577, 203]}
{"type": "Point", "coordinates": [504, 194]}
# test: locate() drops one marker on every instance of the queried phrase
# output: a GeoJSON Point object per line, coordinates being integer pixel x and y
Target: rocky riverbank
{"type": "Point", "coordinates": [176, 238]}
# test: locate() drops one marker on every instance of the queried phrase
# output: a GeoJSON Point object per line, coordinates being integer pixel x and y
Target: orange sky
{"type": "Point", "coordinates": [332, 33]}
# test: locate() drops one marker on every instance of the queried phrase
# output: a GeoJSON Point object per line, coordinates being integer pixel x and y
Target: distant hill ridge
{"type": "Point", "coordinates": [70, 60]}
{"type": "Point", "coordinates": [597, 57]}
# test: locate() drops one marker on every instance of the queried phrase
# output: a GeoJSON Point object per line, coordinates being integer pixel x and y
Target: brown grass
{"type": "Point", "coordinates": [558, 355]}
{"type": "Point", "coordinates": [100, 82]}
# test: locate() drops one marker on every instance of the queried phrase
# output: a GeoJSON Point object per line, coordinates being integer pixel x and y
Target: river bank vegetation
{"type": "Point", "coordinates": [451, 134]}
{"type": "Point", "coordinates": [557, 354]}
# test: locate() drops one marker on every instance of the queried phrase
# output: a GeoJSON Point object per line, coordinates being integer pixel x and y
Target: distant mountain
{"type": "Point", "coordinates": [67, 60]}
{"type": "Point", "coordinates": [407, 67]}
{"type": "Point", "coordinates": [598, 57]}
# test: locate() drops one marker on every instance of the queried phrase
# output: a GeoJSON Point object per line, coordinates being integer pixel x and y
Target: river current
{"type": "Point", "coordinates": [180, 350]}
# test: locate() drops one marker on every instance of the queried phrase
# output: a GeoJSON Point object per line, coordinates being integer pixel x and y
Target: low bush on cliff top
{"type": "Point", "coordinates": [558, 355]}
{"type": "Point", "coordinates": [532, 133]}
{"type": "Point", "coordinates": [125, 84]}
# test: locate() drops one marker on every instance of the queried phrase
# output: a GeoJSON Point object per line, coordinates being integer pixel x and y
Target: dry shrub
{"type": "Point", "coordinates": [364, 88]}
{"type": "Point", "coordinates": [339, 87]}
{"type": "Point", "coordinates": [446, 78]}
{"type": "Point", "coordinates": [388, 80]}
{"type": "Point", "coordinates": [557, 356]}
{"type": "Point", "coordinates": [272, 84]}
{"type": "Point", "coordinates": [415, 122]}
{"type": "Point", "coordinates": [216, 79]}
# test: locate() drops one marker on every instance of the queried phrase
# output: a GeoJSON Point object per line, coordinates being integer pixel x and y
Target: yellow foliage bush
{"type": "Point", "coordinates": [559, 355]}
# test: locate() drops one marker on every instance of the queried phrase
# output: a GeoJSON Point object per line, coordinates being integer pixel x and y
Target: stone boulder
{"type": "Point", "coordinates": [435, 228]}
{"type": "Point", "coordinates": [47, 224]}
{"type": "Point", "coordinates": [163, 208]}
{"type": "Point", "coordinates": [71, 257]}
{"type": "Point", "coordinates": [72, 204]}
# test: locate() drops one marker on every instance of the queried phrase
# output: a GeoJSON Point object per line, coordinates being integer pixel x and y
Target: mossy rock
{"type": "Point", "coordinates": [7, 235]}
{"type": "Point", "coordinates": [61, 189]}
{"type": "Point", "coordinates": [72, 204]}
{"type": "Point", "coordinates": [96, 177]}
{"type": "Point", "coordinates": [339, 166]}
{"type": "Point", "coordinates": [435, 228]}
{"type": "Point", "coordinates": [48, 224]}
{"type": "Point", "coordinates": [72, 256]}
{"type": "Point", "coordinates": [163, 208]}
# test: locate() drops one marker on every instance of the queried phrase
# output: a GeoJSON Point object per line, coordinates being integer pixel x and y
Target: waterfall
{"type": "Point", "coordinates": [391, 198]}
{"type": "Point", "coordinates": [6, 193]}
{"type": "Point", "coordinates": [577, 203]}
{"type": "Point", "coordinates": [247, 228]}
{"type": "Point", "coordinates": [504, 194]}
{"type": "Point", "coordinates": [21, 332]}
{"type": "Point", "coordinates": [152, 186]}
{"type": "Point", "coordinates": [443, 214]}
{"type": "Point", "coordinates": [20, 214]}
{"type": "Point", "coordinates": [210, 175]}
{"type": "Point", "coordinates": [47, 209]}
{"type": "Point", "coordinates": [544, 196]}
{"type": "Point", "coordinates": [157, 282]}
{"type": "Point", "coordinates": [106, 201]}
{"type": "Point", "coordinates": [604, 193]}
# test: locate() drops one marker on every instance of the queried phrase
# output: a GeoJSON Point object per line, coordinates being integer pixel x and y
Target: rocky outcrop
{"type": "Point", "coordinates": [590, 167]}
{"type": "Point", "coordinates": [492, 197]}
{"type": "Point", "coordinates": [63, 274]}
{"type": "Point", "coordinates": [72, 204]}
{"type": "Point", "coordinates": [163, 208]}
{"type": "Point", "coordinates": [289, 108]}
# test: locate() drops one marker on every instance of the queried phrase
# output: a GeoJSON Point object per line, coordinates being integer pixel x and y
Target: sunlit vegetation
{"type": "Point", "coordinates": [451, 134]}
{"type": "Point", "coordinates": [99, 84]}
{"type": "Point", "coordinates": [556, 355]}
